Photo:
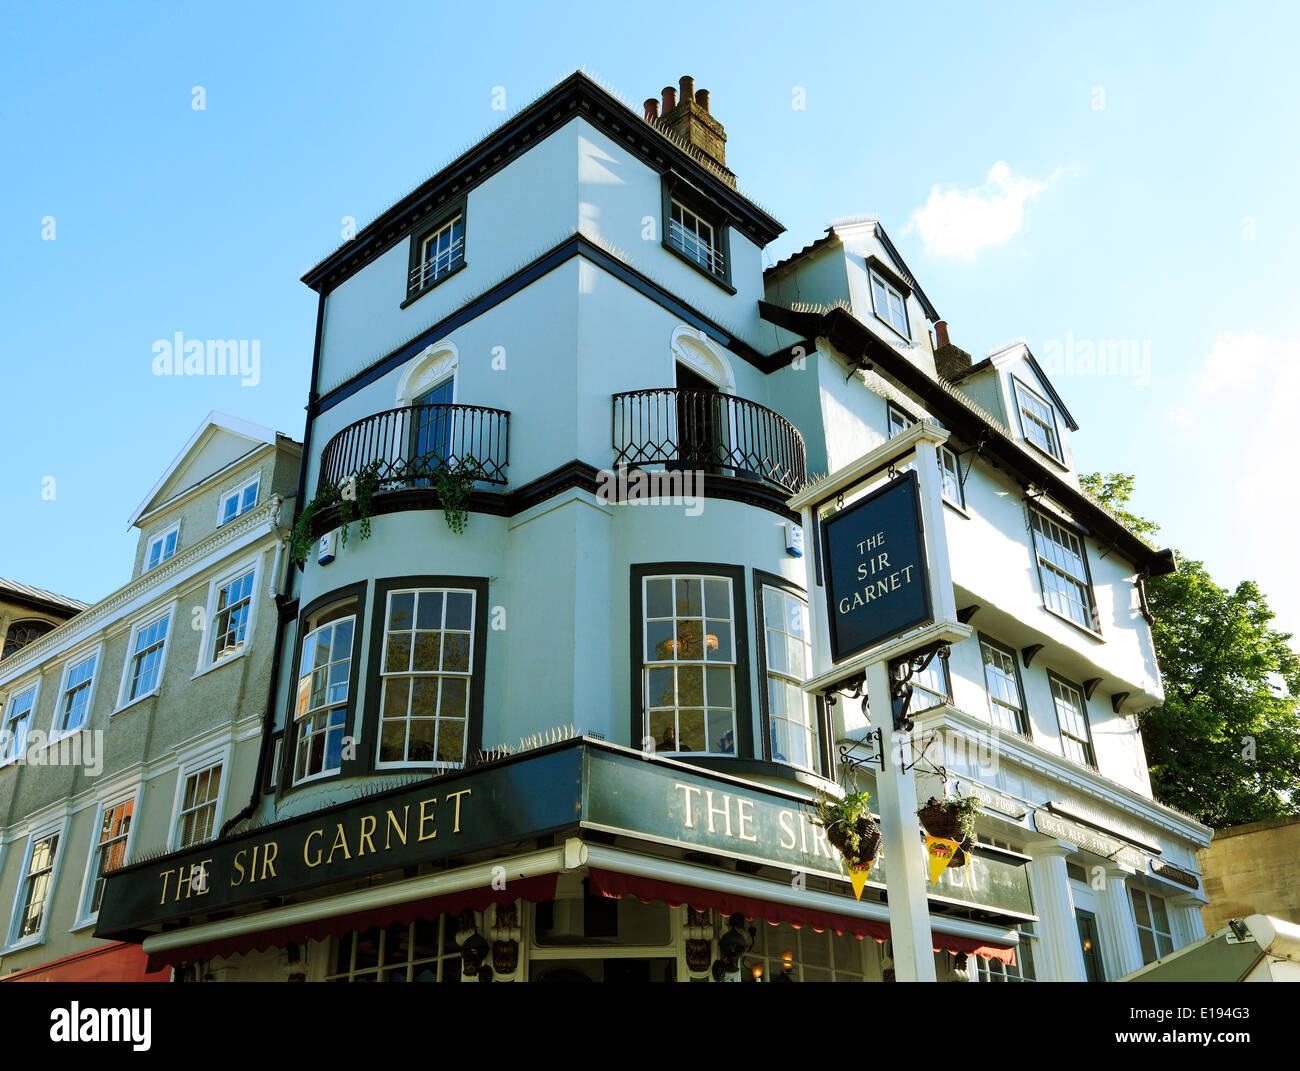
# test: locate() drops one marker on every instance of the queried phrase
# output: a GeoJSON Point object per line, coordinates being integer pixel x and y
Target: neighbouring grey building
{"type": "Point", "coordinates": [133, 727]}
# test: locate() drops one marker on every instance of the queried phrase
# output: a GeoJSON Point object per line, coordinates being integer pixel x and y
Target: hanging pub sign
{"type": "Point", "coordinates": [877, 581]}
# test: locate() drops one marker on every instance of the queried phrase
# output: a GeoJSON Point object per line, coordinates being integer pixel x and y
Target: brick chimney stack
{"type": "Point", "coordinates": [690, 119]}
{"type": "Point", "coordinates": [949, 362]}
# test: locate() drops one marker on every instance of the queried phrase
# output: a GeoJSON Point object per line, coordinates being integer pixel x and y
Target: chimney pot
{"type": "Point", "coordinates": [687, 85]}
{"type": "Point", "coordinates": [941, 332]}
{"type": "Point", "coordinates": [651, 108]}
{"type": "Point", "coordinates": [702, 98]}
{"type": "Point", "coordinates": [669, 99]}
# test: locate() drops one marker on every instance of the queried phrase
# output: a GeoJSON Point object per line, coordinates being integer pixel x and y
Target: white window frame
{"type": "Point", "coordinates": [774, 678]}
{"type": "Point", "coordinates": [1021, 390]}
{"type": "Point", "coordinates": [997, 705]}
{"type": "Point", "coordinates": [326, 708]}
{"type": "Point", "coordinates": [124, 699]}
{"type": "Point", "coordinates": [475, 608]}
{"type": "Point", "coordinates": [56, 828]}
{"type": "Point", "coordinates": [454, 256]}
{"type": "Point", "coordinates": [74, 661]}
{"type": "Point", "coordinates": [161, 540]}
{"type": "Point", "coordinates": [734, 663]}
{"type": "Point", "coordinates": [32, 684]}
{"type": "Point", "coordinates": [206, 660]}
{"type": "Point", "coordinates": [690, 242]}
{"type": "Point", "coordinates": [1045, 528]}
{"type": "Point", "coordinates": [890, 291]}
{"type": "Point", "coordinates": [897, 415]}
{"type": "Point", "coordinates": [237, 493]}
{"type": "Point", "coordinates": [85, 917]}
{"type": "Point", "coordinates": [1056, 682]}
{"type": "Point", "coordinates": [188, 768]}
{"type": "Point", "coordinates": [1153, 930]}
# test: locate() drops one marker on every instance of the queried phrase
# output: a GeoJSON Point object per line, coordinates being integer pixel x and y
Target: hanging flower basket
{"type": "Point", "coordinates": [850, 828]}
{"type": "Point", "coordinates": [950, 819]}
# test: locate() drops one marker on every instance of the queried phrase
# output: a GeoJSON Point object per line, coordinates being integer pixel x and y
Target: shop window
{"type": "Point", "coordinates": [782, 953]}
{"type": "Point", "coordinates": [994, 970]}
{"type": "Point", "coordinates": [1155, 934]}
{"type": "Point", "coordinates": [420, 951]}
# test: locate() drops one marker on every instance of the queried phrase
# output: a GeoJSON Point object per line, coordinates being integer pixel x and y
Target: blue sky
{"type": "Point", "coordinates": [1088, 178]}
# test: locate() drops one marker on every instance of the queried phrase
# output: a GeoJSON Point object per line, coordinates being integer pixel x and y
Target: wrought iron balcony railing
{"type": "Point", "coordinates": [718, 433]}
{"type": "Point", "coordinates": [409, 445]}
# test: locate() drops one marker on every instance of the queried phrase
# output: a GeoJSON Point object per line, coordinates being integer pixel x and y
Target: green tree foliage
{"type": "Point", "coordinates": [1225, 746]}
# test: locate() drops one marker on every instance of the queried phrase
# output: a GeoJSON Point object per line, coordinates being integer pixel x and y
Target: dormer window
{"type": "Point", "coordinates": [238, 502]}
{"type": "Point", "coordinates": [161, 547]}
{"type": "Point", "coordinates": [1037, 419]}
{"type": "Point", "coordinates": [889, 304]}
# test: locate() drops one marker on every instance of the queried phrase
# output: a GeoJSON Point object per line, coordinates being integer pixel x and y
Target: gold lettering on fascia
{"type": "Point", "coordinates": [882, 578]}
{"type": "Point", "coordinates": [323, 847]}
{"type": "Point", "coordinates": [724, 814]}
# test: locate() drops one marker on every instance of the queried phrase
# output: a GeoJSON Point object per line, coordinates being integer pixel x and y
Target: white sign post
{"type": "Point", "coordinates": [907, 875]}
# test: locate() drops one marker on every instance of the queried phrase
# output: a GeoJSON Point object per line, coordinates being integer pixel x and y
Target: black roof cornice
{"type": "Point", "coordinates": [576, 96]}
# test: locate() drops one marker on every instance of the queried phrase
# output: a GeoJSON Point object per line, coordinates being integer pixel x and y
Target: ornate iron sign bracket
{"type": "Point", "coordinates": [901, 672]}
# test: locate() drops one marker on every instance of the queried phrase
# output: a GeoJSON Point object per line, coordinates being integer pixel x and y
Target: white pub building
{"type": "Point", "coordinates": [559, 682]}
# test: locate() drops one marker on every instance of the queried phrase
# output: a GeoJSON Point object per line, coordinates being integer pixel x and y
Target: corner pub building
{"type": "Point", "coordinates": [545, 721]}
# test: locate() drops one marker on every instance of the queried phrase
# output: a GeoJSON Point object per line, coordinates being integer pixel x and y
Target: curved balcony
{"type": "Point", "coordinates": [701, 429]}
{"type": "Point", "coordinates": [411, 444]}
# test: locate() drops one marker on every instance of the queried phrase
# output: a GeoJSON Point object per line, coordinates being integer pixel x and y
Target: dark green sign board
{"type": "Point", "coordinates": [650, 801]}
{"type": "Point", "coordinates": [877, 581]}
{"type": "Point", "coordinates": [430, 820]}
{"type": "Point", "coordinates": [566, 788]}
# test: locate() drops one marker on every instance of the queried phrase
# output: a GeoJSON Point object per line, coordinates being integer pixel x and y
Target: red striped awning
{"type": "Point", "coordinates": [538, 888]}
{"type": "Point", "coordinates": [613, 884]}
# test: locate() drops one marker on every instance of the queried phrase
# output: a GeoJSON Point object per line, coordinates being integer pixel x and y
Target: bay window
{"type": "Point", "coordinates": [794, 732]}
{"type": "Point", "coordinates": [688, 644]}
{"type": "Point", "coordinates": [321, 705]}
{"type": "Point", "coordinates": [427, 676]}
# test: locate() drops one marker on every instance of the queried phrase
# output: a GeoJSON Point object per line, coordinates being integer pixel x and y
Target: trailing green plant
{"type": "Point", "coordinates": [454, 486]}
{"type": "Point", "coordinates": [353, 499]}
{"type": "Point", "coordinates": [847, 821]}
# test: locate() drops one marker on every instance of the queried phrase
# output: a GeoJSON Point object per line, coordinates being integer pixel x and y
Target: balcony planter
{"type": "Point", "coordinates": [950, 819]}
{"type": "Point", "coordinates": [850, 828]}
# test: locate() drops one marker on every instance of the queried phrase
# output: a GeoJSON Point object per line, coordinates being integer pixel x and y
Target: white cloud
{"type": "Point", "coordinates": [1234, 431]}
{"type": "Point", "coordinates": [959, 223]}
